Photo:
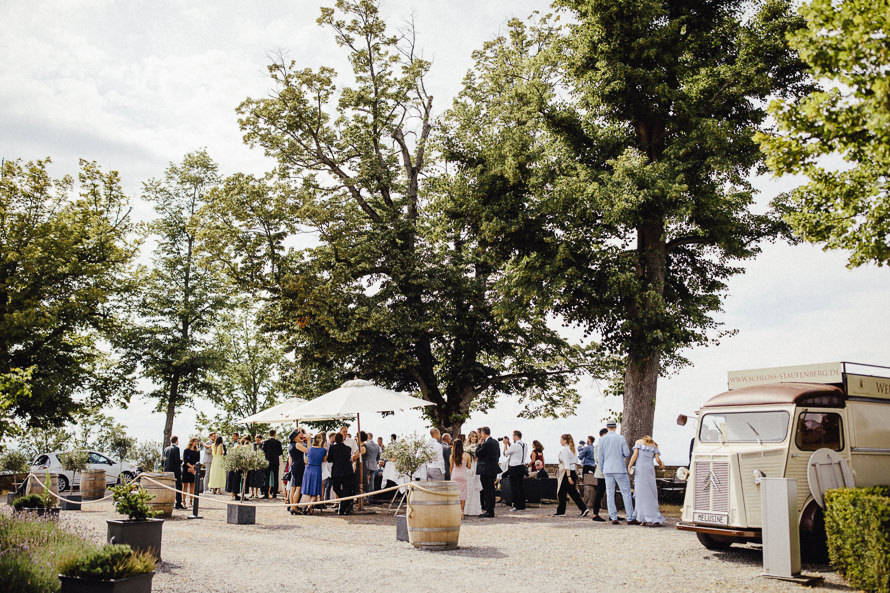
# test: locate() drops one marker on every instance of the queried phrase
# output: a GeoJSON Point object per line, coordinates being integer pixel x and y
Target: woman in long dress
{"type": "Point", "coordinates": [461, 464]}
{"type": "Point", "coordinates": [316, 455]}
{"type": "Point", "coordinates": [473, 506]}
{"type": "Point", "coordinates": [217, 479]}
{"type": "Point", "coordinates": [645, 489]}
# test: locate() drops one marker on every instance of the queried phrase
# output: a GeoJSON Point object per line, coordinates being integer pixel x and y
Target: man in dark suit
{"type": "Point", "coordinates": [342, 474]}
{"type": "Point", "coordinates": [487, 455]}
{"type": "Point", "coordinates": [272, 450]}
{"type": "Point", "coordinates": [173, 463]}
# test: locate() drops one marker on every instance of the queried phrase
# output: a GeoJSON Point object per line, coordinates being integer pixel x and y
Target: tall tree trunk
{"type": "Point", "coordinates": [640, 382]}
{"type": "Point", "coordinates": [171, 409]}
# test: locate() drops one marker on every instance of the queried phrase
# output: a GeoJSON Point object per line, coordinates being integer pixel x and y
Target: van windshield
{"type": "Point", "coordinates": [744, 427]}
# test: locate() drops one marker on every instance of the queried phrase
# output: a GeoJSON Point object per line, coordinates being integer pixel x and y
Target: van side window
{"type": "Point", "coordinates": [817, 430]}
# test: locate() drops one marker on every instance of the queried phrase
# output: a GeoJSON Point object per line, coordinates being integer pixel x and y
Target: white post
{"type": "Point", "coordinates": [781, 539]}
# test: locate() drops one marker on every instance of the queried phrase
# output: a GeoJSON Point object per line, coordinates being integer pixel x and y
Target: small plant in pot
{"type": "Point", "coordinates": [242, 460]}
{"type": "Point", "coordinates": [111, 568]}
{"type": "Point", "coordinates": [408, 455]}
{"type": "Point", "coordinates": [39, 504]}
{"type": "Point", "coordinates": [74, 461]}
{"type": "Point", "coordinates": [14, 467]}
{"type": "Point", "coordinates": [140, 530]}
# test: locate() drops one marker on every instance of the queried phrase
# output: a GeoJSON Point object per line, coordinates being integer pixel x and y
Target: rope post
{"type": "Point", "coordinates": [199, 488]}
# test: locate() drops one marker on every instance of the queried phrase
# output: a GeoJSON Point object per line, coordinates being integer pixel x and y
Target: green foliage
{"type": "Point", "coordinates": [75, 460]}
{"type": "Point", "coordinates": [14, 461]}
{"type": "Point", "coordinates": [845, 205]}
{"type": "Point", "coordinates": [119, 443]}
{"type": "Point", "coordinates": [30, 501]}
{"type": "Point", "coordinates": [148, 455]}
{"type": "Point", "coordinates": [393, 291]}
{"type": "Point", "coordinates": [180, 294]}
{"type": "Point", "coordinates": [857, 521]}
{"type": "Point", "coordinates": [108, 562]}
{"type": "Point", "coordinates": [244, 458]}
{"type": "Point", "coordinates": [131, 500]}
{"type": "Point", "coordinates": [409, 454]}
{"type": "Point", "coordinates": [14, 386]}
{"type": "Point", "coordinates": [30, 549]}
{"type": "Point", "coordinates": [64, 259]}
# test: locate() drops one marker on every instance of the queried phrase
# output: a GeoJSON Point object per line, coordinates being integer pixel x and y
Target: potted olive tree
{"type": "Point", "coordinates": [409, 455]}
{"type": "Point", "coordinates": [120, 444]}
{"type": "Point", "coordinates": [14, 468]}
{"type": "Point", "coordinates": [73, 461]}
{"type": "Point", "coordinates": [109, 569]}
{"type": "Point", "coordinates": [140, 530]}
{"type": "Point", "coordinates": [243, 459]}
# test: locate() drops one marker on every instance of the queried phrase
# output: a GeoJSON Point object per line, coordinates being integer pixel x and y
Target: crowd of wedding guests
{"type": "Point", "coordinates": [323, 466]}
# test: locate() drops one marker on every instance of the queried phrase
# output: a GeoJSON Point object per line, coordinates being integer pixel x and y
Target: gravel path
{"type": "Point", "coordinates": [529, 551]}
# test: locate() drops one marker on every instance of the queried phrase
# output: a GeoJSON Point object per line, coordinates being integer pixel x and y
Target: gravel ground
{"type": "Point", "coordinates": [515, 552]}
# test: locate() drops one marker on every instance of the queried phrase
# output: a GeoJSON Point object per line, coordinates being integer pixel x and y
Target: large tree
{"type": "Point", "coordinates": [180, 294]}
{"type": "Point", "coordinates": [845, 205]}
{"type": "Point", "coordinates": [650, 107]}
{"type": "Point", "coordinates": [391, 290]}
{"type": "Point", "coordinates": [65, 254]}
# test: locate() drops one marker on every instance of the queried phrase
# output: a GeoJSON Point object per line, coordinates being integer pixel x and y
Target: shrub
{"type": "Point", "coordinates": [30, 501]}
{"type": "Point", "coordinates": [131, 500]}
{"type": "Point", "coordinates": [857, 521]}
{"type": "Point", "coordinates": [148, 456]}
{"type": "Point", "coordinates": [14, 461]}
{"type": "Point", "coordinates": [108, 562]}
{"type": "Point", "coordinates": [29, 552]}
{"type": "Point", "coordinates": [75, 461]}
{"type": "Point", "coordinates": [409, 454]}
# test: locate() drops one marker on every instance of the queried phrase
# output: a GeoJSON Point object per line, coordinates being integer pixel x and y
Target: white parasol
{"type": "Point", "coordinates": [282, 412]}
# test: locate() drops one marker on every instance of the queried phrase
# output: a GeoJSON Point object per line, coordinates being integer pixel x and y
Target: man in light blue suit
{"type": "Point", "coordinates": [610, 456]}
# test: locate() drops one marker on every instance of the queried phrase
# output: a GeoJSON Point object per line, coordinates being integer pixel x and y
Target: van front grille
{"type": "Point", "coordinates": [712, 486]}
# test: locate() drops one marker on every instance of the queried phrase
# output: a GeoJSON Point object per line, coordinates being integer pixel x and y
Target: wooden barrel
{"type": "Point", "coordinates": [92, 484]}
{"type": "Point", "coordinates": [164, 499]}
{"type": "Point", "coordinates": [434, 517]}
{"type": "Point", "coordinates": [35, 486]}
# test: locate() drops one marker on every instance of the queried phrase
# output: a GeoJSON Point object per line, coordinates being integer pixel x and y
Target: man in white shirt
{"type": "Point", "coordinates": [435, 469]}
{"type": "Point", "coordinates": [516, 470]}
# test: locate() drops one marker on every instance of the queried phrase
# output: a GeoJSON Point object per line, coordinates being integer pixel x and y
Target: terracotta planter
{"type": "Point", "coordinates": [240, 515]}
{"type": "Point", "coordinates": [141, 583]}
{"type": "Point", "coordinates": [74, 505]}
{"type": "Point", "coordinates": [142, 536]}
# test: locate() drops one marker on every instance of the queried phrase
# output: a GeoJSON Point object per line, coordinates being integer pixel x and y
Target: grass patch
{"type": "Point", "coordinates": [30, 549]}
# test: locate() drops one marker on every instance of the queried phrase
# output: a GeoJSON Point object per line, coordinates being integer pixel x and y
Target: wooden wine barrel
{"type": "Point", "coordinates": [434, 517]}
{"type": "Point", "coordinates": [35, 486]}
{"type": "Point", "coordinates": [164, 499]}
{"type": "Point", "coordinates": [92, 484]}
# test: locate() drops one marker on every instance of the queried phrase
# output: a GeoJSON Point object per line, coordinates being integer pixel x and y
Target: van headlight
{"type": "Point", "coordinates": [682, 474]}
{"type": "Point", "coordinates": [758, 475]}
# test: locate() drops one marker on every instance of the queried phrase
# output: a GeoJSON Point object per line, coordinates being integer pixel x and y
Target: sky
{"type": "Point", "coordinates": [137, 85]}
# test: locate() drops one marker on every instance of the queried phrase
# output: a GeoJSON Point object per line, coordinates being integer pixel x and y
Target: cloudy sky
{"type": "Point", "coordinates": [136, 85]}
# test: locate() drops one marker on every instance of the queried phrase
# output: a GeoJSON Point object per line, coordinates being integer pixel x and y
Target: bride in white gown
{"type": "Point", "coordinates": [473, 506]}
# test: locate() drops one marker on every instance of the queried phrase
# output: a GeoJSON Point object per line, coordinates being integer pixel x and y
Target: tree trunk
{"type": "Point", "coordinates": [640, 383]}
{"type": "Point", "coordinates": [171, 409]}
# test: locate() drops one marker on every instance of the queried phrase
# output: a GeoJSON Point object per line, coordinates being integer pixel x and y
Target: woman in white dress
{"type": "Point", "coordinates": [645, 489]}
{"type": "Point", "coordinates": [473, 506]}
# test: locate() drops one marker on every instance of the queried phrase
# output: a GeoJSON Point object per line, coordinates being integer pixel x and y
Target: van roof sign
{"type": "Point", "coordinates": [827, 372]}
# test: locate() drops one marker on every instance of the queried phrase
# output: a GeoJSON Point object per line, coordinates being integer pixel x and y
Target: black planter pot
{"type": "Point", "coordinates": [402, 528]}
{"type": "Point", "coordinates": [40, 511]}
{"type": "Point", "coordinates": [141, 583]}
{"type": "Point", "coordinates": [139, 535]}
{"type": "Point", "coordinates": [240, 515]}
{"type": "Point", "coordinates": [74, 505]}
{"type": "Point", "coordinates": [9, 498]}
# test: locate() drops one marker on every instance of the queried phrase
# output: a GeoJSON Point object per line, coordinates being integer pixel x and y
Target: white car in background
{"type": "Point", "coordinates": [113, 470]}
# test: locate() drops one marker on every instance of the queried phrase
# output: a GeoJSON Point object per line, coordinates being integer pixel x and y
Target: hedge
{"type": "Point", "coordinates": [857, 522]}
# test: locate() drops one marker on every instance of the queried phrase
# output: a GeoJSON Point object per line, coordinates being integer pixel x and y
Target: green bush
{"type": "Point", "coordinates": [29, 551]}
{"type": "Point", "coordinates": [857, 521]}
{"type": "Point", "coordinates": [29, 501]}
{"type": "Point", "coordinates": [131, 500]}
{"type": "Point", "coordinates": [108, 562]}
{"type": "Point", "coordinates": [14, 461]}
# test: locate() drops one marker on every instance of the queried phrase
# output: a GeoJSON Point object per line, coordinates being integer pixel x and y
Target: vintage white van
{"type": "Point", "coordinates": [770, 423]}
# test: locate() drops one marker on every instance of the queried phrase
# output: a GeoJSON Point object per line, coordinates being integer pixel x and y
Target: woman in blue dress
{"type": "Point", "coordinates": [315, 456]}
{"type": "Point", "coordinates": [645, 489]}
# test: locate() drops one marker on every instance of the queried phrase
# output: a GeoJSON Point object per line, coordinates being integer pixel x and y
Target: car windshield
{"type": "Point", "coordinates": [744, 427]}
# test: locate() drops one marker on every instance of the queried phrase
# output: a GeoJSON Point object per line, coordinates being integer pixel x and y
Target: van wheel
{"type": "Point", "coordinates": [713, 542]}
{"type": "Point", "coordinates": [813, 539]}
